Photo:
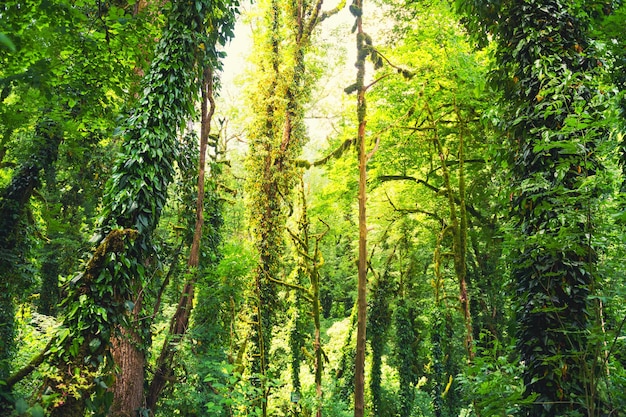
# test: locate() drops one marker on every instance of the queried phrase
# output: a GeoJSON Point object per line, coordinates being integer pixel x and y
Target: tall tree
{"type": "Point", "coordinates": [276, 139]}
{"type": "Point", "coordinates": [546, 69]}
{"type": "Point", "coordinates": [363, 52]}
{"type": "Point", "coordinates": [180, 321]}
{"type": "Point", "coordinates": [56, 86]}
{"type": "Point", "coordinates": [214, 32]}
{"type": "Point", "coordinates": [102, 297]}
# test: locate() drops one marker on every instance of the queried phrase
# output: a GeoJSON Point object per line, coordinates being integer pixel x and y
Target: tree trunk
{"type": "Point", "coordinates": [547, 61]}
{"type": "Point", "coordinates": [458, 226]}
{"type": "Point", "coordinates": [359, 368]}
{"type": "Point", "coordinates": [128, 391]}
{"type": "Point", "coordinates": [180, 321]}
{"type": "Point", "coordinates": [13, 205]}
{"type": "Point", "coordinates": [316, 312]}
{"type": "Point", "coordinates": [97, 302]}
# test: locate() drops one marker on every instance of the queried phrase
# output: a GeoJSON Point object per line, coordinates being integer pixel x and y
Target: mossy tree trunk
{"type": "Point", "coordinates": [277, 137]}
{"type": "Point", "coordinates": [547, 70]}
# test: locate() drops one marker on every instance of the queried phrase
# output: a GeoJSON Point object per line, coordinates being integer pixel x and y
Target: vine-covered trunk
{"type": "Point", "coordinates": [267, 211]}
{"type": "Point", "coordinates": [316, 312]}
{"type": "Point", "coordinates": [103, 296]}
{"type": "Point", "coordinates": [13, 207]}
{"type": "Point", "coordinates": [277, 141]}
{"type": "Point", "coordinates": [546, 71]}
{"type": "Point", "coordinates": [555, 269]}
{"type": "Point", "coordinates": [405, 338]}
{"type": "Point", "coordinates": [317, 341]}
{"type": "Point", "coordinates": [457, 227]}
{"type": "Point", "coordinates": [310, 260]}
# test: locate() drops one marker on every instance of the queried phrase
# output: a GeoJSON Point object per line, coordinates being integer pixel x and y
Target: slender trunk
{"type": "Point", "coordinates": [458, 227]}
{"type": "Point", "coordinates": [405, 338]}
{"type": "Point", "coordinates": [462, 245]}
{"type": "Point", "coordinates": [311, 265]}
{"type": "Point", "coordinates": [180, 320]}
{"type": "Point", "coordinates": [359, 368]}
{"type": "Point", "coordinates": [317, 343]}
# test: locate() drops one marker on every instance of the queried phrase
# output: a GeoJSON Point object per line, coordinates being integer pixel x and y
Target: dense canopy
{"type": "Point", "coordinates": [388, 208]}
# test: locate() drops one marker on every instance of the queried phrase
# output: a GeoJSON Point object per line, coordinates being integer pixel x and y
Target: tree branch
{"type": "Point", "coordinates": [470, 209]}
{"type": "Point", "coordinates": [292, 286]}
{"type": "Point", "coordinates": [415, 210]}
{"type": "Point", "coordinates": [333, 155]}
{"type": "Point", "coordinates": [369, 155]}
{"type": "Point", "coordinates": [30, 367]}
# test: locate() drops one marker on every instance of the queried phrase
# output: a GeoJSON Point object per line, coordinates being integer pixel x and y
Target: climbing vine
{"type": "Point", "coordinates": [101, 297]}
{"type": "Point", "coordinates": [277, 136]}
{"type": "Point", "coordinates": [546, 69]}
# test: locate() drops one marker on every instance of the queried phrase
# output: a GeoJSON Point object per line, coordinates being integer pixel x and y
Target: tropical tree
{"type": "Point", "coordinates": [61, 92]}
{"type": "Point", "coordinates": [546, 68]}
{"type": "Point", "coordinates": [276, 139]}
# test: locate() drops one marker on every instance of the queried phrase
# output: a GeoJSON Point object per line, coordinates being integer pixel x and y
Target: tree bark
{"type": "Point", "coordinates": [128, 391]}
{"type": "Point", "coordinates": [359, 367]}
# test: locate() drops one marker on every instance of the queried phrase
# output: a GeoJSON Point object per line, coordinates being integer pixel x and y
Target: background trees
{"type": "Point", "coordinates": [494, 201]}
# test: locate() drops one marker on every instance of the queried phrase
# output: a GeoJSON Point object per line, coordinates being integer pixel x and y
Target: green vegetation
{"type": "Point", "coordinates": [393, 209]}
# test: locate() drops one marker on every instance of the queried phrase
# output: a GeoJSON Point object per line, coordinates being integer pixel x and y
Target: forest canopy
{"type": "Point", "coordinates": [312, 208]}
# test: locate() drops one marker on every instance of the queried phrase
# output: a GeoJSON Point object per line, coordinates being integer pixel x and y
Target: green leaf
{"type": "Point", "coordinates": [21, 406]}
{"type": "Point", "coordinates": [37, 411]}
{"type": "Point", "coordinates": [102, 384]}
{"type": "Point", "coordinates": [6, 42]}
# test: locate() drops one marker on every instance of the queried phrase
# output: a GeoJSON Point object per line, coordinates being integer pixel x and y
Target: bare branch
{"type": "Point", "coordinates": [369, 155]}
{"type": "Point", "coordinates": [293, 286]}
{"type": "Point", "coordinates": [470, 209]}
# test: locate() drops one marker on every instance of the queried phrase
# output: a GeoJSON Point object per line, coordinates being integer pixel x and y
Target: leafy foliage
{"type": "Point", "coordinates": [134, 199]}
{"type": "Point", "coordinates": [494, 201]}
{"type": "Point", "coordinates": [545, 68]}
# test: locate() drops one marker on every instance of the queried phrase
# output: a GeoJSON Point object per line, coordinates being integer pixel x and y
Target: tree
{"type": "Point", "coordinates": [546, 69]}
{"type": "Point", "coordinates": [307, 246]}
{"type": "Point", "coordinates": [101, 298]}
{"type": "Point", "coordinates": [360, 87]}
{"type": "Point", "coordinates": [56, 90]}
{"type": "Point", "coordinates": [276, 139]}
